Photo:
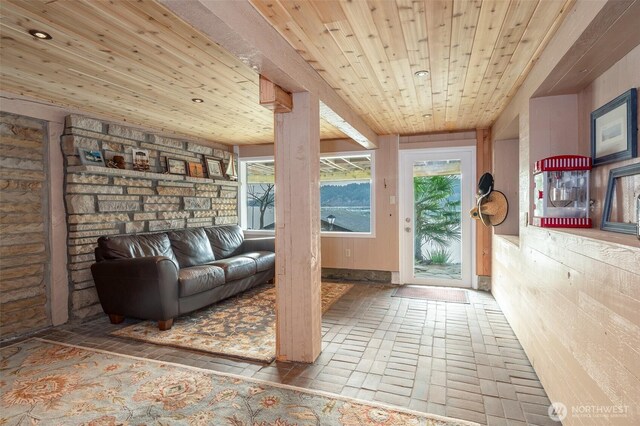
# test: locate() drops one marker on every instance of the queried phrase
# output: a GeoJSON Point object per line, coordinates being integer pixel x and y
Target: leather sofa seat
{"type": "Point", "coordinates": [162, 275]}
{"type": "Point", "coordinates": [237, 267]}
{"type": "Point", "coordinates": [196, 279]}
{"type": "Point", "coordinates": [264, 259]}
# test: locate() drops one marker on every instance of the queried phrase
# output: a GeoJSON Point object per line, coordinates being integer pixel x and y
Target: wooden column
{"type": "Point", "coordinates": [297, 164]}
{"type": "Point", "coordinates": [483, 233]}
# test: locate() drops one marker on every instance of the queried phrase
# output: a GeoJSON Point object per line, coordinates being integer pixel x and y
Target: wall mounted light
{"type": "Point", "coordinates": [40, 34]}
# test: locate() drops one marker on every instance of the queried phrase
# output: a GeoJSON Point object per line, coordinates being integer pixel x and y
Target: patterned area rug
{"type": "Point", "coordinates": [53, 384]}
{"type": "Point", "coordinates": [242, 326]}
{"type": "Point", "coordinates": [437, 294]}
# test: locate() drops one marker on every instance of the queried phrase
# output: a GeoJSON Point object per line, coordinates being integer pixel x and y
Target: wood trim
{"type": "Point", "coordinates": [273, 97]}
{"type": "Point", "coordinates": [483, 233]}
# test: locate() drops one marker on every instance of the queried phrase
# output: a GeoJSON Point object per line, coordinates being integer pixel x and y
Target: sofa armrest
{"type": "Point", "coordinates": [259, 244]}
{"type": "Point", "coordinates": [145, 287]}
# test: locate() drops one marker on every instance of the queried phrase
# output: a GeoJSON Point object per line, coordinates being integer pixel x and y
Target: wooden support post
{"type": "Point", "coordinates": [483, 233]}
{"type": "Point", "coordinates": [297, 170]}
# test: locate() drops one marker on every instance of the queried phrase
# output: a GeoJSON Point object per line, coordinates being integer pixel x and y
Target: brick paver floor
{"type": "Point", "coordinates": [457, 360]}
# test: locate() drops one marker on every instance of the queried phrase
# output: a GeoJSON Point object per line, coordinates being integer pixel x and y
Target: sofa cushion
{"type": "Point", "coordinates": [225, 240]}
{"type": "Point", "coordinates": [264, 259]}
{"type": "Point", "coordinates": [197, 279]}
{"type": "Point", "coordinates": [191, 247]}
{"type": "Point", "coordinates": [237, 267]}
{"type": "Point", "coordinates": [134, 246]}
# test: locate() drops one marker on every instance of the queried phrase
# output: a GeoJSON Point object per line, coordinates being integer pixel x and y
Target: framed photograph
{"type": "Point", "coordinates": [614, 129]}
{"type": "Point", "coordinates": [91, 158]}
{"type": "Point", "coordinates": [196, 170]}
{"type": "Point", "coordinates": [175, 166]}
{"type": "Point", "coordinates": [619, 213]}
{"type": "Point", "coordinates": [140, 159]}
{"type": "Point", "coordinates": [214, 167]}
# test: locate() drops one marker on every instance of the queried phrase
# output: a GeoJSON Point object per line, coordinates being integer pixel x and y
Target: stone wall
{"type": "Point", "coordinates": [24, 226]}
{"type": "Point", "coordinates": [105, 201]}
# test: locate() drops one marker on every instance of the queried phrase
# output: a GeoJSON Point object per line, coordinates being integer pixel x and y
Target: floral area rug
{"type": "Point", "coordinates": [242, 326]}
{"type": "Point", "coordinates": [47, 383]}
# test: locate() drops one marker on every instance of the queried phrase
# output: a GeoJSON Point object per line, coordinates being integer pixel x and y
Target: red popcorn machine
{"type": "Point", "coordinates": [561, 193]}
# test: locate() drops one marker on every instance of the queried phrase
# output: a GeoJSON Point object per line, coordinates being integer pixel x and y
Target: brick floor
{"type": "Point", "coordinates": [458, 360]}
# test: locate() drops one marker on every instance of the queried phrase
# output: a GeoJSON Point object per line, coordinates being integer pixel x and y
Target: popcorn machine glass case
{"type": "Point", "coordinates": [561, 193]}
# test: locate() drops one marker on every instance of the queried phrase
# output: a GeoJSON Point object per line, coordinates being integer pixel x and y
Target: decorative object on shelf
{"type": "Point", "coordinates": [196, 170]}
{"type": "Point", "coordinates": [214, 167]}
{"type": "Point", "coordinates": [116, 162]}
{"type": "Point", "coordinates": [623, 189]}
{"type": "Point", "coordinates": [614, 129]}
{"type": "Point", "coordinates": [491, 205]}
{"type": "Point", "coordinates": [90, 158]}
{"type": "Point", "coordinates": [231, 172]}
{"type": "Point", "coordinates": [176, 166]}
{"type": "Point", "coordinates": [140, 159]}
{"type": "Point", "coordinates": [561, 193]}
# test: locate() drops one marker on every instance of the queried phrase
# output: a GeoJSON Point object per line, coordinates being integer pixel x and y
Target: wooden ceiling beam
{"type": "Point", "coordinates": [240, 29]}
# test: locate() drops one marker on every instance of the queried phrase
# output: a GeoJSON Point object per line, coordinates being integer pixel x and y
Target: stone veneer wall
{"type": "Point", "coordinates": [104, 201]}
{"type": "Point", "coordinates": [24, 226]}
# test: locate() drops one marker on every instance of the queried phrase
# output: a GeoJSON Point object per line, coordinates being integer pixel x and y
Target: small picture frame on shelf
{"type": "Point", "coordinates": [140, 159]}
{"type": "Point", "coordinates": [196, 170]}
{"type": "Point", "coordinates": [176, 166]}
{"type": "Point", "coordinates": [614, 134]}
{"type": "Point", "coordinates": [91, 158]}
{"type": "Point", "coordinates": [214, 167]}
{"type": "Point", "coordinates": [618, 214]}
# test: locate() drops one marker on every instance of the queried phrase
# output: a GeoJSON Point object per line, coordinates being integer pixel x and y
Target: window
{"type": "Point", "coordinates": [346, 194]}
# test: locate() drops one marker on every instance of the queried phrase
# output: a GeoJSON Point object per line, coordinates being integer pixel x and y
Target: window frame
{"type": "Point", "coordinates": [242, 178]}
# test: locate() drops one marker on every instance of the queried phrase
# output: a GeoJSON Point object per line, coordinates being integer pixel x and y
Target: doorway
{"type": "Point", "coordinates": [436, 194]}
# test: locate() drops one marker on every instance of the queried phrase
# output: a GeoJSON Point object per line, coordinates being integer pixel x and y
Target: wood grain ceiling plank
{"type": "Point", "coordinates": [414, 31]}
{"type": "Point", "coordinates": [547, 15]}
{"type": "Point", "coordinates": [369, 84]}
{"type": "Point", "coordinates": [125, 75]}
{"type": "Point", "coordinates": [439, 20]}
{"type": "Point", "coordinates": [365, 30]}
{"type": "Point", "coordinates": [515, 23]}
{"type": "Point", "coordinates": [492, 16]}
{"type": "Point", "coordinates": [465, 21]}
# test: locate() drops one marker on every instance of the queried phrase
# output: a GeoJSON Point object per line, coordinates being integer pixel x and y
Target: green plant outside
{"type": "Point", "coordinates": [437, 216]}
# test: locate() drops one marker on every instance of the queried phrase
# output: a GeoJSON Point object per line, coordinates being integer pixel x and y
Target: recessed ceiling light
{"type": "Point", "coordinates": [421, 73]}
{"type": "Point", "coordinates": [197, 100]}
{"type": "Point", "coordinates": [426, 115]}
{"type": "Point", "coordinates": [40, 34]}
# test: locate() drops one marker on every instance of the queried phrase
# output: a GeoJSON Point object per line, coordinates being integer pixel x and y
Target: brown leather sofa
{"type": "Point", "coordinates": [163, 275]}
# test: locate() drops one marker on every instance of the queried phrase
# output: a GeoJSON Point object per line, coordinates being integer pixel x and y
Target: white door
{"type": "Point", "coordinates": [436, 194]}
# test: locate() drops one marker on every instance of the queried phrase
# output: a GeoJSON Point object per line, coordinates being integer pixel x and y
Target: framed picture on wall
{"type": "Point", "coordinates": [196, 170]}
{"type": "Point", "coordinates": [614, 129]}
{"type": "Point", "coordinates": [214, 167]}
{"type": "Point", "coordinates": [91, 158]}
{"type": "Point", "coordinates": [623, 188]}
{"type": "Point", "coordinates": [176, 166]}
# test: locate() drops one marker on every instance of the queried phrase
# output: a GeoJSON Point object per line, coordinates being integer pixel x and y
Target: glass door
{"type": "Point", "coordinates": [435, 199]}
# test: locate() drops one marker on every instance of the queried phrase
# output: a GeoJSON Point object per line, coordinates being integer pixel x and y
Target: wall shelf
{"type": "Point", "coordinates": [97, 170]}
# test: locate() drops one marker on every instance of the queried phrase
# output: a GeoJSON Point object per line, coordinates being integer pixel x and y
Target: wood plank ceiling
{"type": "Point", "coordinates": [137, 62]}
{"type": "Point", "coordinates": [477, 54]}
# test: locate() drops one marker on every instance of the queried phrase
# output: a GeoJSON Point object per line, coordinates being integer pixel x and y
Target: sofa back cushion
{"type": "Point", "coordinates": [225, 240]}
{"type": "Point", "coordinates": [133, 246]}
{"type": "Point", "coordinates": [191, 247]}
